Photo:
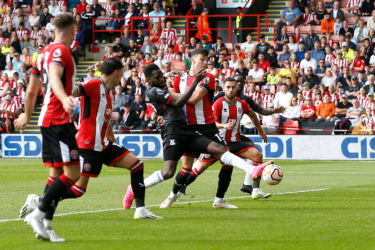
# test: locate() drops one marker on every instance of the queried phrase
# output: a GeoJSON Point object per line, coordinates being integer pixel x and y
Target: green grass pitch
{"type": "Point", "coordinates": [337, 213]}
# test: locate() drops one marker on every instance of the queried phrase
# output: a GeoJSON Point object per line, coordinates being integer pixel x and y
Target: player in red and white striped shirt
{"type": "Point", "coordinates": [354, 6]}
{"type": "Point", "coordinates": [109, 54]}
{"type": "Point", "coordinates": [170, 33]}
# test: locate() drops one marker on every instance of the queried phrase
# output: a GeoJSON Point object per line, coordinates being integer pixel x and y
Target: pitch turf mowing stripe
{"type": "Point", "coordinates": [176, 203]}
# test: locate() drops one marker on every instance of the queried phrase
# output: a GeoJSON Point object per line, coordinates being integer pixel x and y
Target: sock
{"type": "Point", "coordinates": [154, 179]}
{"type": "Point", "coordinates": [180, 180]}
{"type": "Point", "coordinates": [249, 161]}
{"type": "Point", "coordinates": [232, 160]}
{"type": "Point", "coordinates": [248, 178]}
{"type": "Point", "coordinates": [47, 224]}
{"type": "Point", "coordinates": [140, 209]}
{"type": "Point", "coordinates": [193, 176]}
{"type": "Point", "coordinates": [38, 214]}
{"type": "Point", "coordinates": [138, 186]}
{"type": "Point", "coordinates": [256, 183]}
{"type": "Point", "coordinates": [49, 182]}
{"type": "Point", "coordinates": [55, 192]}
{"type": "Point", "coordinates": [224, 180]}
{"type": "Point", "coordinates": [74, 192]}
{"type": "Point", "coordinates": [218, 200]}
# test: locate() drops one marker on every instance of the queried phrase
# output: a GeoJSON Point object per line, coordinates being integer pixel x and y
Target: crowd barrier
{"type": "Point", "coordinates": [298, 147]}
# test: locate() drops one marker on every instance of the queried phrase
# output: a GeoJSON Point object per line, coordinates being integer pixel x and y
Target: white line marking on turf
{"type": "Point", "coordinates": [177, 203]}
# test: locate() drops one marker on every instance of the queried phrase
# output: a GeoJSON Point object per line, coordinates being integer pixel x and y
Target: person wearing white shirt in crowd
{"type": "Point", "coordinates": [161, 61]}
{"type": "Point", "coordinates": [146, 48]}
{"type": "Point", "coordinates": [371, 21]}
{"type": "Point", "coordinates": [372, 61]}
{"type": "Point", "coordinates": [271, 121]}
{"type": "Point", "coordinates": [248, 45]}
{"type": "Point", "coordinates": [51, 25]}
{"type": "Point", "coordinates": [306, 63]}
{"type": "Point", "coordinates": [283, 97]}
{"type": "Point", "coordinates": [233, 62]}
{"type": "Point", "coordinates": [53, 8]}
{"type": "Point", "coordinates": [64, 10]}
{"type": "Point", "coordinates": [257, 73]}
{"type": "Point", "coordinates": [292, 45]}
{"type": "Point", "coordinates": [293, 111]}
{"type": "Point", "coordinates": [329, 79]}
{"type": "Point", "coordinates": [90, 75]}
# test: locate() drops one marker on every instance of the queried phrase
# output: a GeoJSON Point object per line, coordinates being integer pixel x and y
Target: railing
{"type": "Point", "coordinates": [191, 9]}
{"type": "Point", "coordinates": [248, 1]}
{"type": "Point", "coordinates": [133, 29]}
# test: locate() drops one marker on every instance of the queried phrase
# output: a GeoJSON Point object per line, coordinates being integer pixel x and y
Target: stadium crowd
{"type": "Point", "coordinates": [324, 75]}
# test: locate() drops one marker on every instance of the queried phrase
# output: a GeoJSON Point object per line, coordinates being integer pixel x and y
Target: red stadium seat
{"type": "Point", "coordinates": [290, 30]}
{"type": "Point", "coordinates": [114, 116]}
{"type": "Point", "coordinates": [278, 88]}
{"type": "Point", "coordinates": [262, 90]}
{"type": "Point", "coordinates": [237, 44]}
{"type": "Point", "coordinates": [317, 29]}
{"type": "Point", "coordinates": [229, 46]}
{"type": "Point", "coordinates": [335, 37]}
{"type": "Point", "coordinates": [344, 3]}
{"type": "Point", "coordinates": [278, 70]}
{"type": "Point", "coordinates": [365, 18]}
{"type": "Point", "coordinates": [278, 53]}
{"type": "Point", "coordinates": [257, 88]}
{"type": "Point", "coordinates": [303, 29]}
{"type": "Point", "coordinates": [272, 44]}
{"type": "Point", "coordinates": [290, 124]}
{"type": "Point", "coordinates": [351, 20]}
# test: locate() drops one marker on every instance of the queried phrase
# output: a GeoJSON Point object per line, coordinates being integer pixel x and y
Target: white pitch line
{"type": "Point", "coordinates": [177, 203]}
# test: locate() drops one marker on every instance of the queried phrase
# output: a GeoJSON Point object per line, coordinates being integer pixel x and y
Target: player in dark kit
{"type": "Point", "coordinates": [56, 68]}
{"type": "Point", "coordinates": [178, 138]}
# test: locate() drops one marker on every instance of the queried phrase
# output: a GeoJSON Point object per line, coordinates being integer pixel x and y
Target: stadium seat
{"type": "Point", "coordinates": [335, 37]}
{"type": "Point", "coordinates": [278, 70]}
{"type": "Point", "coordinates": [365, 18]}
{"type": "Point", "coordinates": [237, 44]}
{"type": "Point", "coordinates": [114, 116]}
{"type": "Point", "coordinates": [344, 3]}
{"type": "Point", "coordinates": [257, 88]}
{"type": "Point", "coordinates": [290, 124]}
{"type": "Point", "coordinates": [278, 53]}
{"type": "Point", "coordinates": [26, 9]}
{"type": "Point", "coordinates": [290, 30]}
{"type": "Point", "coordinates": [229, 46]}
{"type": "Point", "coordinates": [278, 88]}
{"type": "Point", "coordinates": [272, 44]}
{"type": "Point", "coordinates": [262, 90]}
{"type": "Point", "coordinates": [350, 20]}
{"type": "Point", "coordinates": [303, 29]}
{"type": "Point", "coordinates": [317, 29]}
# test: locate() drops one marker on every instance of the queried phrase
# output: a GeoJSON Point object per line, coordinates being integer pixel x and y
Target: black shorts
{"type": "Point", "coordinates": [176, 145]}
{"type": "Point", "coordinates": [246, 139]}
{"type": "Point", "coordinates": [91, 161]}
{"type": "Point", "coordinates": [212, 133]}
{"type": "Point", "coordinates": [238, 147]}
{"type": "Point", "coordinates": [59, 145]}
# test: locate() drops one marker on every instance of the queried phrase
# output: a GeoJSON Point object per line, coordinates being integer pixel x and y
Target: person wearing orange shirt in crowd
{"type": "Point", "coordinates": [239, 55]}
{"type": "Point", "coordinates": [203, 26]}
{"type": "Point", "coordinates": [177, 64]}
{"type": "Point", "coordinates": [326, 110]}
{"type": "Point", "coordinates": [327, 24]}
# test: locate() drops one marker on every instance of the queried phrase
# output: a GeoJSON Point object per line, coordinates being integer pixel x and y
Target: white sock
{"type": "Point", "coordinates": [249, 162]}
{"type": "Point", "coordinates": [172, 195]}
{"type": "Point", "coordinates": [219, 200]}
{"type": "Point", "coordinates": [37, 214]}
{"type": "Point", "coordinates": [247, 180]}
{"type": "Point", "coordinates": [140, 209]}
{"type": "Point", "coordinates": [232, 160]}
{"type": "Point", "coordinates": [153, 179]}
{"type": "Point", "coordinates": [47, 224]}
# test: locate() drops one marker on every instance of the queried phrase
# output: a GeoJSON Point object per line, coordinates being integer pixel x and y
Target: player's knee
{"type": "Point", "coordinates": [259, 156]}
{"type": "Point", "coordinates": [167, 174]}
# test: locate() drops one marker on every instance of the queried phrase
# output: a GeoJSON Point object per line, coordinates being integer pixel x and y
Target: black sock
{"type": "Point", "coordinates": [193, 176]}
{"type": "Point", "coordinates": [138, 185]}
{"type": "Point", "coordinates": [55, 192]}
{"type": "Point", "coordinates": [224, 181]}
{"type": "Point", "coordinates": [180, 179]}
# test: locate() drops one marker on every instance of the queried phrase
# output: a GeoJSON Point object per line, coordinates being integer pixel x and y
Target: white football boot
{"type": "Point", "coordinates": [259, 194]}
{"type": "Point", "coordinates": [145, 214]}
{"type": "Point", "coordinates": [223, 204]}
{"type": "Point", "coordinates": [169, 201]}
{"type": "Point", "coordinates": [31, 203]}
{"type": "Point", "coordinates": [37, 226]}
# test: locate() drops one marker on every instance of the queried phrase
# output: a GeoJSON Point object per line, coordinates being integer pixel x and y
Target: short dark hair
{"type": "Point", "coordinates": [229, 79]}
{"type": "Point", "coordinates": [110, 65]}
{"type": "Point", "coordinates": [200, 51]}
{"type": "Point", "coordinates": [64, 21]}
{"type": "Point", "coordinates": [149, 69]}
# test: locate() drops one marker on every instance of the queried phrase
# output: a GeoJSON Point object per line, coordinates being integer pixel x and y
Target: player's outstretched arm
{"type": "Point", "coordinates": [256, 123]}
{"type": "Point", "coordinates": [183, 99]}
{"type": "Point", "coordinates": [266, 111]}
{"type": "Point", "coordinates": [30, 99]}
{"type": "Point", "coordinates": [55, 74]}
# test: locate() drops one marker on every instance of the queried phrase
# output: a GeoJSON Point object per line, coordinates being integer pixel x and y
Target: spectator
{"type": "Point", "coordinates": [166, 8]}
{"type": "Point", "coordinates": [96, 6]}
{"type": "Point", "coordinates": [128, 119]}
{"type": "Point", "coordinates": [320, 13]}
{"type": "Point", "coordinates": [370, 103]}
{"type": "Point", "coordinates": [347, 53]}
{"type": "Point", "coordinates": [301, 51]}
{"type": "Point", "coordinates": [220, 44]}
{"type": "Point", "coordinates": [120, 99]}
{"type": "Point", "coordinates": [271, 56]}
{"type": "Point", "coordinates": [2, 61]}
{"type": "Point", "coordinates": [205, 44]}
{"type": "Point", "coordinates": [345, 28]}
{"type": "Point", "coordinates": [327, 24]}
{"type": "Point", "coordinates": [203, 26]}
{"type": "Point", "coordinates": [144, 23]}
{"type": "Point", "coordinates": [237, 51]}
{"type": "Point", "coordinates": [367, 8]}
{"type": "Point", "coordinates": [130, 82]}
{"type": "Point", "coordinates": [339, 61]}
{"type": "Point", "coordinates": [125, 39]}
{"type": "Point", "coordinates": [271, 121]}
{"type": "Point", "coordinates": [371, 21]}
{"type": "Point", "coordinates": [336, 11]}
{"type": "Point", "coordinates": [329, 79]}
{"type": "Point", "coordinates": [326, 110]}
{"type": "Point", "coordinates": [20, 91]}
{"type": "Point", "coordinates": [90, 75]}
{"type": "Point", "coordinates": [290, 16]}
{"type": "Point", "coordinates": [264, 64]}
{"type": "Point", "coordinates": [11, 108]}
{"type": "Point", "coordinates": [330, 56]}
{"type": "Point", "coordinates": [291, 87]}
{"type": "Point", "coordinates": [17, 62]}
{"type": "Point", "coordinates": [139, 106]}
{"type": "Point", "coordinates": [273, 78]}
{"type": "Point", "coordinates": [354, 6]}
{"type": "Point", "coordinates": [292, 112]}
{"type": "Point", "coordinates": [292, 45]}
{"type": "Point", "coordinates": [101, 25]}
{"type": "Point", "coordinates": [341, 108]}
{"type": "Point", "coordinates": [79, 38]}
{"type": "Point", "coordinates": [53, 8]}
{"type": "Point", "coordinates": [310, 39]}
{"type": "Point", "coordinates": [45, 17]}
{"type": "Point", "coordinates": [197, 8]}
{"type": "Point", "coordinates": [81, 7]}
{"type": "Point", "coordinates": [370, 86]}
{"type": "Point", "coordinates": [282, 39]}
{"type": "Point", "coordinates": [132, 50]}
{"type": "Point", "coordinates": [283, 97]}
{"type": "Point", "coordinates": [257, 74]}
{"type": "Point", "coordinates": [306, 63]}
{"type": "Point", "coordinates": [3, 25]}
{"type": "Point", "coordinates": [122, 6]}
{"type": "Point", "coordinates": [321, 70]}
{"type": "Point", "coordinates": [109, 54]}
{"type": "Point", "coordinates": [317, 53]}
{"type": "Point", "coordinates": [137, 89]}
{"type": "Point", "coordinates": [140, 39]}
{"type": "Point", "coordinates": [9, 30]}
{"type": "Point", "coordinates": [252, 92]}
{"type": "Point", "coordinates": [248, 44]}
{"type": "Point", "coordinates": [312, 79]}
{"type": "Point", "coordinates": [117, 21]}
{"type": "Point", "coordinates": [241, 69]}
{"type": "Point", "coordinates": [98, 69]}
{"type": "Point", "coordinates": [358, 64]}
{"type": "Point", "coordinates": [355, 112]}
{"type": "Point", "coordinates": [284, 56]}
{"type": "Point", "coordinates": [308, 110]}
{"type": "Point", "coordinates": [118, 49]}
{"type": "Point", "coordinates": [226, 70]}
{"type": "Point", "coordinates": [130, 14]}
{"type": "Point", "coordinates": [362, 97]}
{"type": "Point", "coordinates": [10, 71]}
{"type": "Point", "coordinates": [87, 17]}
{"type": "Point", "coordinates": [337, 26]}
{"type": "Point", "coordinates": [288, 71]}
{"type": "Point", "coordinates": [157, 13]}
{"type": "Point", "coordinates": [307, 16]}
{"type": "Point", "coordinates": [361, 32]}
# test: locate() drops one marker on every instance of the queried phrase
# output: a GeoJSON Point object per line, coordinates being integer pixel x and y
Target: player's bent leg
{"type": "Point", "coordinates": [224, 180]}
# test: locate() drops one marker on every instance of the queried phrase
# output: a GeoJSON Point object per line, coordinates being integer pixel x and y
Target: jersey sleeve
{"type": "Point", "coordinates": [176, 84]}
{"type": "Point", "coordinates": [159, 95]}
{"type": "Point", "coordinates": [61, 56]}
{"type": "Point", "coordinates": [34, 71]}
{"type": "Point", "coordinates": [208, 83]}
{"type": "Point", "coordinates": [218, 107]}
{"type": "Point", "coordinates": [88, 88]}
{"type": "Point", "coordinates": [245, 107]}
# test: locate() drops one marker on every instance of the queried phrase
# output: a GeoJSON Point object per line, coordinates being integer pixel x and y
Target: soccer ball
{"type": "Point", "coordinates": [272, 174]}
